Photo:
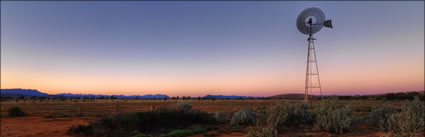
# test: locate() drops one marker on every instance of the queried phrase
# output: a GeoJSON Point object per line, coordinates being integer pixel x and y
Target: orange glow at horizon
{"type": "Point", "coordinates": [358, 80]}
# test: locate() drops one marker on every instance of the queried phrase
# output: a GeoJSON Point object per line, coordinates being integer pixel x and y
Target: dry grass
{"type": "Point", "coordinates": [52, 113]}
{"type": "Point", "coordinates": [101, 107]}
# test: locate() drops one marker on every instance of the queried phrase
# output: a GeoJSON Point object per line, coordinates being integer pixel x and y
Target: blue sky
{"type": "Point", "coordinates": [197, 48]}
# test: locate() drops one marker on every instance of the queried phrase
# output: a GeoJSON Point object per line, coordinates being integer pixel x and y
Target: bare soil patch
{"type": "Point", "coordinates": [39, 126]}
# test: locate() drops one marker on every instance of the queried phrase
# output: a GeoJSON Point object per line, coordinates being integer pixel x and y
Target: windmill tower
{"type": "Point", "coordinates": [309, 22]}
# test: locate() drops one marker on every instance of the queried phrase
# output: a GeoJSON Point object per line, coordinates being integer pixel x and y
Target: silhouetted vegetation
{"type": "Point", "coordinates": [150, 122]}
{"type": "Point", "coordinates": [387, 96]}
{"type": "Point", "coordinates": [16, 112]}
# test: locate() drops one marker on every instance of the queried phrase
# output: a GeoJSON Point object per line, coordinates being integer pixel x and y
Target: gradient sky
{"type": "Point", "coordinates": [199, 48]}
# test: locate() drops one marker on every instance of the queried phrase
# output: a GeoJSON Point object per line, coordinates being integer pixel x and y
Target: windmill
{"type": "Point", "coordinates": [309, 22]}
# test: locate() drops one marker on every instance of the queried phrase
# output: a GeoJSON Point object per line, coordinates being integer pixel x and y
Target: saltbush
{"type": "Point", "coordinates": [267, 131]}
{"type": "Point", "coordinates": [300, 115]}
{"type": "Point", "coordinates": [286, 114]}
{"type": "Point", "coordinates": [243, 117]}
{"type": "Point", "coordinates": [333, 116]}
{"type": "Point", "coordinates": [283, 115]}
{"type": "Point", "coordinates": [278, 114]}
{"type": "Point", "coordinates": [409, 120]}
{"type": "Point", "coordinates": [379, 116]}
{"type": "Point", "coordinates": [16, 112]}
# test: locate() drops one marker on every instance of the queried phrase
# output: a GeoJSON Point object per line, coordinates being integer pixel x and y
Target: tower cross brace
{"type": "Point", "coordinates": [312, 71]}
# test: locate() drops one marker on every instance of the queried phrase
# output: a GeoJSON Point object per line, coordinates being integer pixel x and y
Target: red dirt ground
{"type": "Point", "coordinates": [57, 127]}
{"type": "Point", "coordinates": [39, 126]}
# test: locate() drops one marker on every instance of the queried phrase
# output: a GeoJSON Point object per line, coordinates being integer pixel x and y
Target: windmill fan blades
{"type": "Point", "coordinates": [318, 18]}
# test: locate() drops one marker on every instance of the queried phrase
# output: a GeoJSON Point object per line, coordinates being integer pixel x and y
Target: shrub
{"type": "Point", "coordinates": [243, 117]}
{"type": "Point", "coordinates": [285, 114]}
{"type": "Point", "coordinates": [185, 106]}
{"type": "Point", "coordinates": [260, 109]}
{"type": "Point", "coordinates": [180, 133]}
{"type": "Point", "coordinates": [16, 112]}
{"type": "Point", "coordinates": [158, 121]}
{"type": "Point", "coordinates": [379, 116]}
{"type": "Point", "coordinates": [263, 132]}
{"type": "Point", "coordinates": [300, 115]}
{"type": "Point", "coordinates": [333, 116]}
{"type": "Point", "coordinates": [278, 114]}
{"type": "Point", "coordinates": [222, 117]}
{"type": "Point", "coordinates": [409, 120]}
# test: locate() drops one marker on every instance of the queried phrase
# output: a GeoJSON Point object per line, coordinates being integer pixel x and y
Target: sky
{"type": "Point", "coordinates": [185, 48]}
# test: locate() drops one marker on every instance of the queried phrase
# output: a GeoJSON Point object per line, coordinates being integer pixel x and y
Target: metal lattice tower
{"type": "Point", "coordinates": [309, 22]}
{"type": "Point", "coordinates": [312, 80]}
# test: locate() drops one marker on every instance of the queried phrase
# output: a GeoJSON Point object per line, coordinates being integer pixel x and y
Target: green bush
{"type": "Point", "coordinates": [150, 122]}
{"type": "Point", "coordinates": [278, 114]}
{"type": "Point", "coordinates": [379, 116]}
{"type": "Point", "coordinates": [180, 133]}
{"type": "Point", "coordinates": [333, 116]}
{"type": "Point", "coordinates": [281, 115]}
{"type": "Point", "coordinates": [243, 117]}
{"type": "Point", "coordinates": [263, 132]}
{"type": "Point", "coordinates": [409, 120]}
{"type": "Point", "coordinates": [300, 115]}
{"type": "Point", "coordinates": [16, 112]}
{"type": "Point", "coordinates": [285, 114]}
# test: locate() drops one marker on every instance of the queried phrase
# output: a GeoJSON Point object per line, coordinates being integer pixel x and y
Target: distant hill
{"type": "Point", "coordinates": [225, 97]}
{"type": "Point", "coordinates": [22, 92]}
{"type": "Point", "coordinates": [290, 96]}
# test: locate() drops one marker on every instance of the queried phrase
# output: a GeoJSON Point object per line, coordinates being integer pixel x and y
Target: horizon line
{"type": "Point", "coordinates": [218, 94]}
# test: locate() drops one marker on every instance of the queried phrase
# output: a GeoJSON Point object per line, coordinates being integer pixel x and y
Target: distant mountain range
{"type": "Point", "coordinates": [21, 92]}
{"type": "Point", "coordinates": [32, 92]}
{"type": "Point", "coordinates": [14, 93]}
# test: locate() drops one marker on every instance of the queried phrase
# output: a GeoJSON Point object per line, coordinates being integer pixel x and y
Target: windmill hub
{"type": "Point", "coordinates": [309, 22]}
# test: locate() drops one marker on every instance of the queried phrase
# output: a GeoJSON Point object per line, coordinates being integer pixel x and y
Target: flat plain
{"type": "Point", "coordinates": [55, 117]}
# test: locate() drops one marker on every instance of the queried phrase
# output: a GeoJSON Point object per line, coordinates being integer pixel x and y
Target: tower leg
{"type": "Point", "coordinates": [312, 71]}
{"type": "Point", "coordinates": [307, 76]}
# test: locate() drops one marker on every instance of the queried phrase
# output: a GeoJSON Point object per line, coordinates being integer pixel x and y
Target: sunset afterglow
{"type": "Point", "coordinates": [201, 48]}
